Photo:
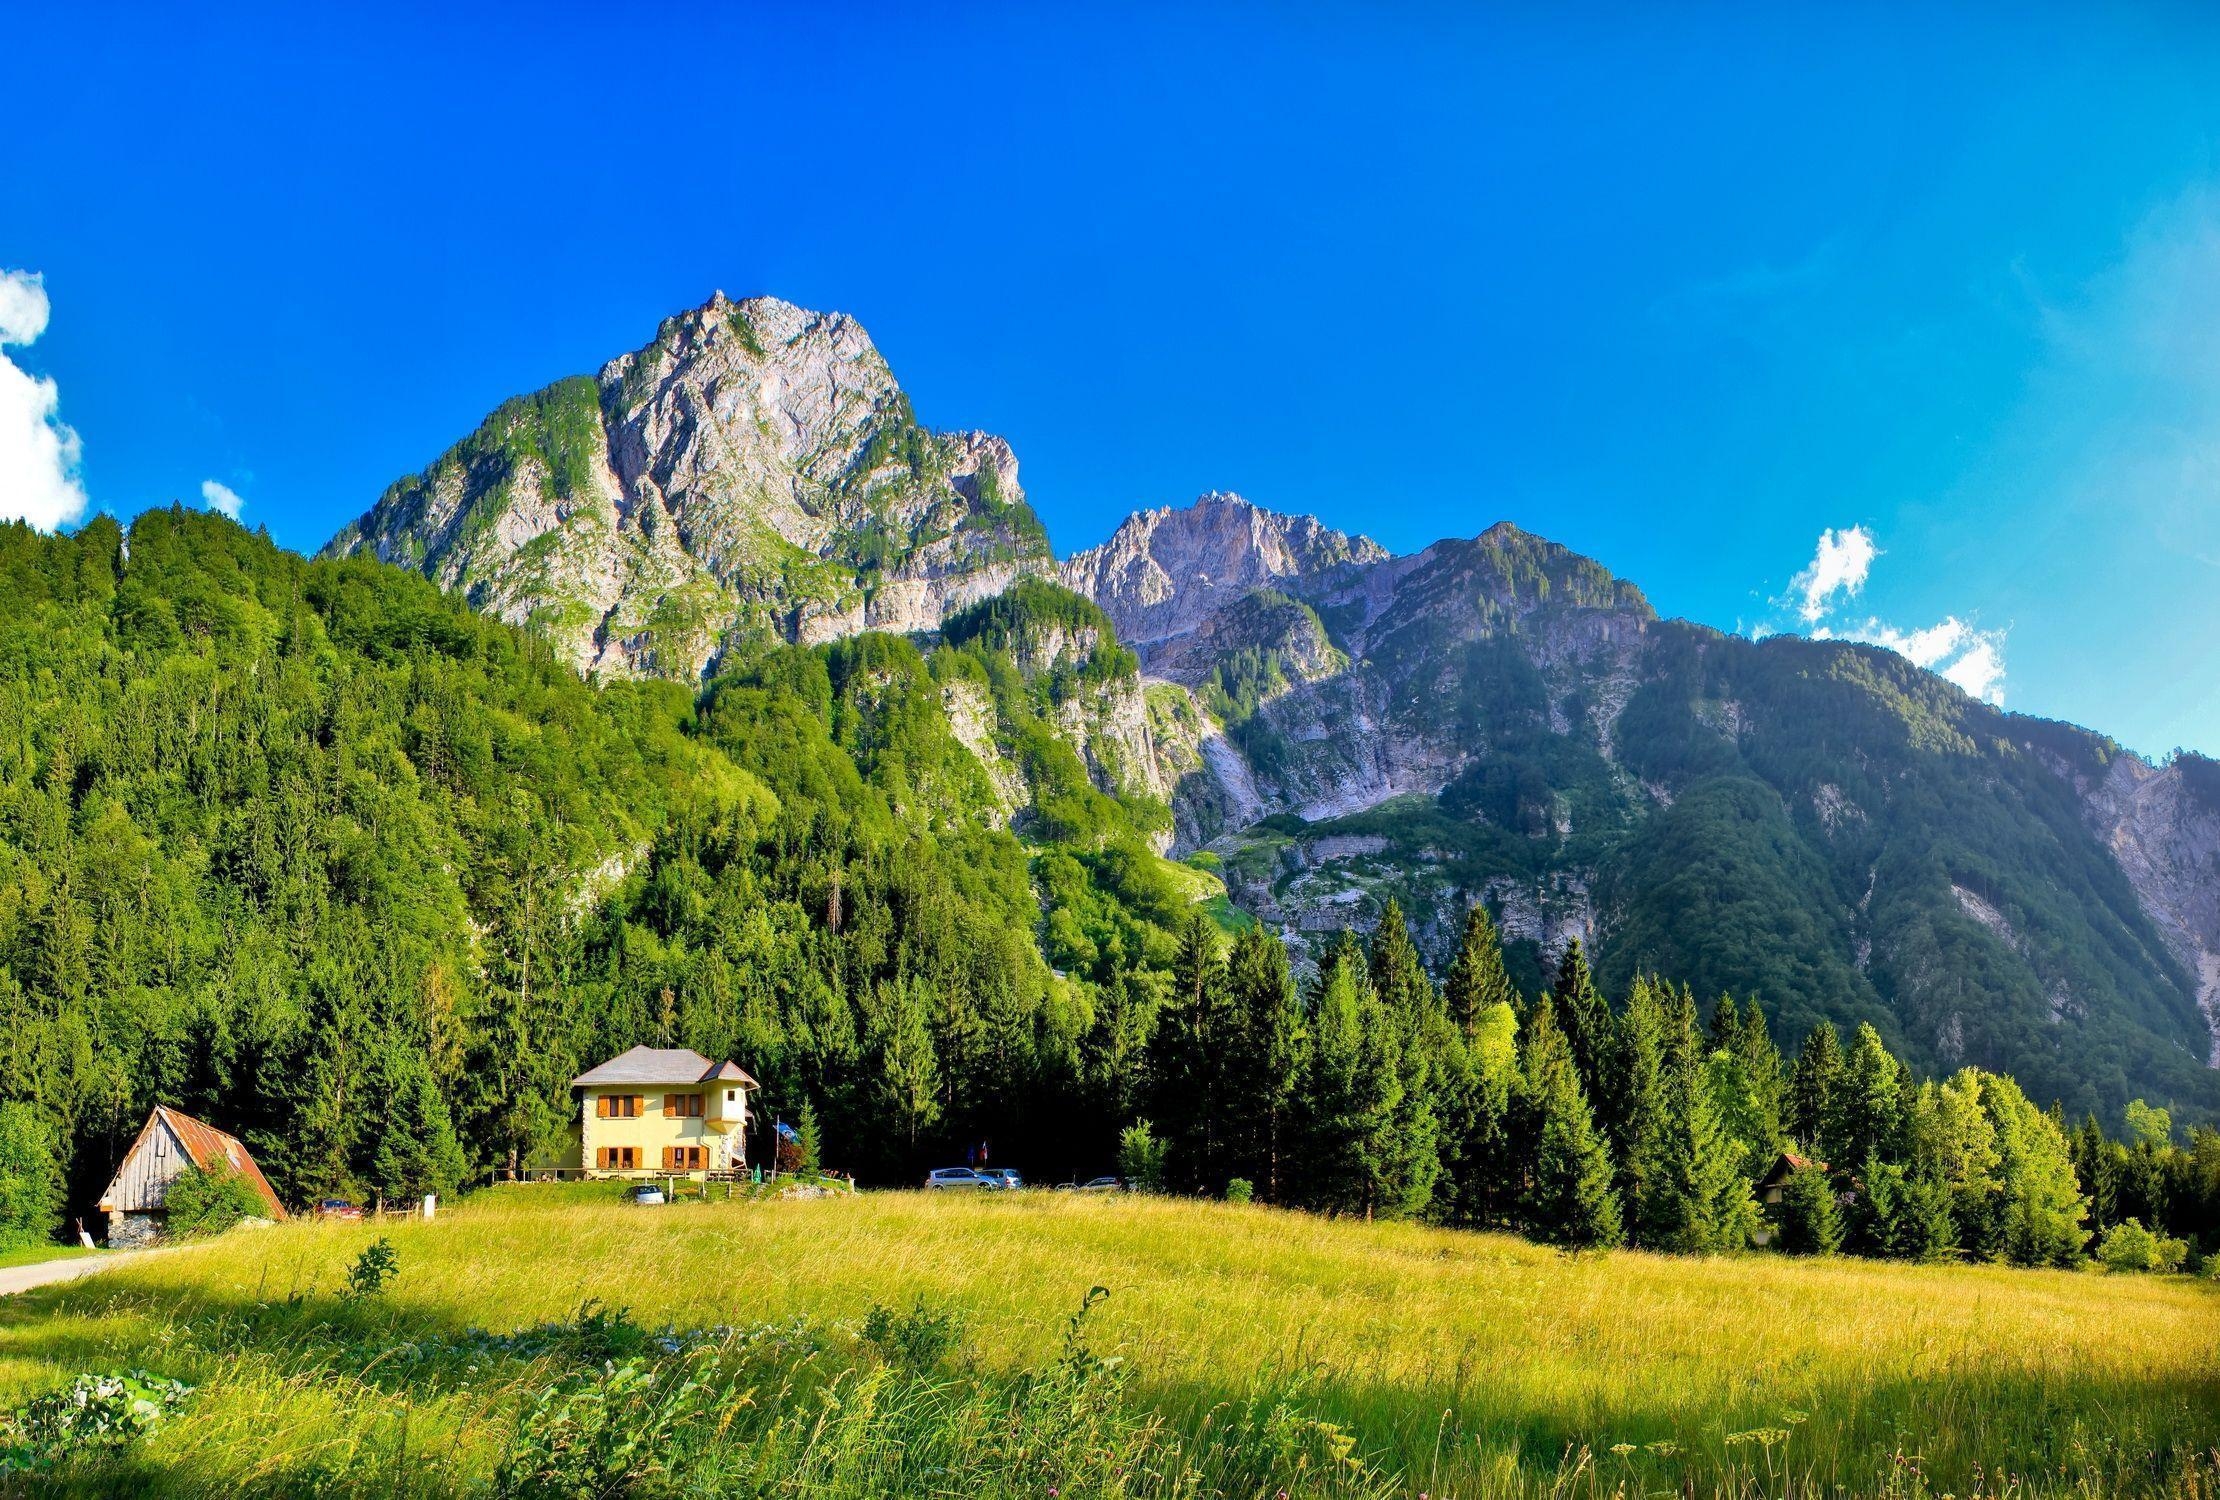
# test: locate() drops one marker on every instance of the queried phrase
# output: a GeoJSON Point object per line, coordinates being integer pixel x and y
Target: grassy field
{"type": "Point", "coordinates": [1458, 1364]}
{"type": "Point", "coordinates": [36, 1254]}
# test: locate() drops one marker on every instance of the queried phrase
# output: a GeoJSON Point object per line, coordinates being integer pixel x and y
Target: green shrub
{"type": "Point", "coordinates": [1141, 1158]}
{"type": "Point", "coordinates": [378, 1264]}
{"type": "Point", "coordinates": [1808, 1217]}
{"type": "Point", "coordinates": [1240, 1190]}
{"type": "Point", "coordinates": [918, 1340]}
{"type": "Point", "coordinates": [202, 1202]}
{"type": "Point", "coordinates": [90, 1413]}
{"type": "Point", "coordinates": [2128, 1246]}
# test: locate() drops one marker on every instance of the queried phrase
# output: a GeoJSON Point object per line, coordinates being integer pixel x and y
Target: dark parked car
{"type": "Point", "coordinates": [337, 1208]}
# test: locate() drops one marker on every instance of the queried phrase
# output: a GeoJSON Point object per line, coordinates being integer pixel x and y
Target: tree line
{"type": "Point", "coordinates": [1374, 1091]}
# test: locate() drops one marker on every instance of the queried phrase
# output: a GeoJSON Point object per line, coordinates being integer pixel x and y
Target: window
{"type": "Point", "coordinates": [617, 1106]}
{"type": "Point", "coordinates": [684, 1158]}
{"type": "Point", "coordinates": [732, 1096]}
{"type": "Point", "coordinates": [619, 1158]}
{"type": "Point", "coordinates": [685, 1106]}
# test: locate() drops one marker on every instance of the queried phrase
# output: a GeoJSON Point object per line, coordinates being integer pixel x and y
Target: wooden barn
{"type": "Point", "coordinates": [169, 1142]}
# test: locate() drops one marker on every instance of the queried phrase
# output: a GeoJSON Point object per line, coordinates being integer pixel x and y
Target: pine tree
{"type": "Point", "coordinates": [1636, 1117]}
{"type": "Point", "coordinates": [1480, 1002]}
{"type": "Point", "coordinates": [1866, 1109]}
{"type": "Point", "coordinates": [1478, 981]}
{"type": "Point", "coordinates": [1585, 1020]}
{"type": "Point", "coordinates": [1808, 1218]}
{"type": "Point", "coordinates": [1398, 974]}
{"type": "Point", "coordinates": [1811, 1091]}
{"type": "Point", "coordinates": [1569, 1198]}
{"type": "Point", "coordinates": [1191, 1057]}
{"type": "Point", "coordinates": [1266, 1066]}
{"type": "Point", "coordinates": [808, 1146]}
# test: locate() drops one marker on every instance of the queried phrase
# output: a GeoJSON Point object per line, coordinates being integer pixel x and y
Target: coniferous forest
{"type": "Point", "coordinates": [314, 852]}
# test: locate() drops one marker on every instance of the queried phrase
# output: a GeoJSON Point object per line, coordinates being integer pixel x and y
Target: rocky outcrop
{"type": "Point", "coordinates": [2162, 825]}
{"type": "Point", "coordinates": [755, 471]}
{"type": "Point", "coordinates": [1164, 572]}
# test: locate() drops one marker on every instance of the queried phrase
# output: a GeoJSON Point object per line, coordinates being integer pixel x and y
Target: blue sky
{"type": "Point", "coordinates": [1684, 288]}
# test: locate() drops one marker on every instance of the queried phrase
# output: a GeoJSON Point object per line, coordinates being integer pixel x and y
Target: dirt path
{"type": "Point", "coordinates": [15, 1279]}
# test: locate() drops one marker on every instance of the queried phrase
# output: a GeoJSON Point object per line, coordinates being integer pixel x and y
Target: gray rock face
{"type": "Point", "coordinates": [1163, 572]}
{"type": "Point", "coordinates": [754, 471]}
{"type": "Point", "coordinates": [2166, 838]}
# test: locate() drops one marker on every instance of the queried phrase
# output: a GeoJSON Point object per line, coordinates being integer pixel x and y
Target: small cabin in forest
{"type": "Point", "coordinates": [1769, 1189]}
{"type": "Point", "coordinates": [168, 1144]}
{"type": "Point", "coordinates": [662, 1109]}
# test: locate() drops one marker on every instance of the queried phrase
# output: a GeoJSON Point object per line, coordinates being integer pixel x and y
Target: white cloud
{"type": "Point", "coordinates": [222, 498]}
{"type": "Point", "coordinates": [39, 453]}
{"type": "Point", "coordinates": [1954, 650]}
{"type": "Point", "coordinates": [1838, 566]}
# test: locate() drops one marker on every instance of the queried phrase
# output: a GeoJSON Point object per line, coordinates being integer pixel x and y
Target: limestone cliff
{"type": "Point", "coordinates": [754, 472]}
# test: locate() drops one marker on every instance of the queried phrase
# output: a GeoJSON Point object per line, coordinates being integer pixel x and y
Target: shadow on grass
{"type": "Point", "coordinates": [377, 1359]}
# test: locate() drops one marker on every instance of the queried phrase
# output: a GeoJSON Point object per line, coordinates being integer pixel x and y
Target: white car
{"type": "Point", "coordinates": [647, 1193]}
{"type": "Point", "coordinates": [963, 1177]}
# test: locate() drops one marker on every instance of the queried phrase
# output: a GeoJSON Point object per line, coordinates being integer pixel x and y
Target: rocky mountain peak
{"type": "Point", "coordinates": [754, 471]}
{"type": "Point", "coordinates": [1162, 572]}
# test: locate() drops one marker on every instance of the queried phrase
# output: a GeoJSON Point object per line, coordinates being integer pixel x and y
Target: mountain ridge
{"type": "Point", "coordinates": [1493, 719]}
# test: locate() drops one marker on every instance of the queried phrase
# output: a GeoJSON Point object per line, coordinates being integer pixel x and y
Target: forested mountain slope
{"type": "Point", "coordinates": [1817, 822]}
{"type": "Point", "coordinates": [316, 851]}
{"type": "Point", "coordinates": [1494, 719]}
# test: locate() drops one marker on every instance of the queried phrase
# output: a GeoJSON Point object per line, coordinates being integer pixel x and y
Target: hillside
{"type": "Point", "coordinates": [1499, 720]}
{"type": "Point", "coordinates": [1445, 1363]}
{"type": "Point", "coordinates": [317, 851]}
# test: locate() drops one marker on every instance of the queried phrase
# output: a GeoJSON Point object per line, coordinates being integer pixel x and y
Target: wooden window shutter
{"type": "Point", "coordinates": [601, 1109]}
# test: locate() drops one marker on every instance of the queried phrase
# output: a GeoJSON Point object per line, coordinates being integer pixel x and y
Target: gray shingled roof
{"type": "Point", "coordinates": [661, 1065]}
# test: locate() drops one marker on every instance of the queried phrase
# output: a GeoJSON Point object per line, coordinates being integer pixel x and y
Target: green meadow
{"type": "Point", "coordinates": [1240, 1351]}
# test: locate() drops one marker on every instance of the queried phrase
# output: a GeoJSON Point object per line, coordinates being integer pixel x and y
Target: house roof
{"type": "Point", "coordinates": [208, 1148]}
{"type": "Point", "coordinates": [1793, 1163]}
{"type": "Point", "coordinates": [662, 1065]}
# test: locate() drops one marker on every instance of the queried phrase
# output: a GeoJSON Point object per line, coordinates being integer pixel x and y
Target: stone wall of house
{"type": "Point", "coordinates": [133, 1231]}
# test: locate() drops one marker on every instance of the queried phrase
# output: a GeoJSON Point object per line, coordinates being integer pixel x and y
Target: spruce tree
{"type": "Point", "coordinates": [1398, 974]}
{"type": "Point", "coordinates": [1808, 1220]}
{"type": "Point", "coordinates": [1811, 1090]}
{"type": "Point", "coordinates": [1191, 1057]}
{"type": "Point", "coordinates": [1866, 1109]}
{"type": "Point", "coordinates": [1569, 1199]}
{"type": "Point", "coordinates": [1480, 1002]}
{"type": "Point", "coordinates": [1637, 1120]}
{"type": "Point", "coordinates": [1266, 1065]}
{"type": "Point", "coordinates": [2041, 1212]}
{"type": "Point", "coordinates": [1584, 1020]}
{"type": "Point", "coordinates": [1478, 981]}
{"type": "Point", "coordinates": [1761, 1064]}
{"type": "Point", "coordinates": [1361, 1155]}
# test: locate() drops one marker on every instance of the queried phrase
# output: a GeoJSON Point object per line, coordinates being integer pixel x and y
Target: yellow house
{"type": "Point", "coordinates": [662, 1109]}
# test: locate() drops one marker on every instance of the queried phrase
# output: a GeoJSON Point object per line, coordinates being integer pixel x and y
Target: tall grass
{"type": "Point", "coordinates": [1453, 1364]}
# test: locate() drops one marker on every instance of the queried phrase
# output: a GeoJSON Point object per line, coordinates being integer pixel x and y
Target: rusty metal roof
{"type": "Point", "coordinates": [208, 1148]}
{"type": "Point", "coordinates": [644, 1065]}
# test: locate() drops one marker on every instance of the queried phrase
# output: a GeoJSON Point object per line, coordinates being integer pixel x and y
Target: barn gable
{"type": "Point", "coordinates": [169, 1142]}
